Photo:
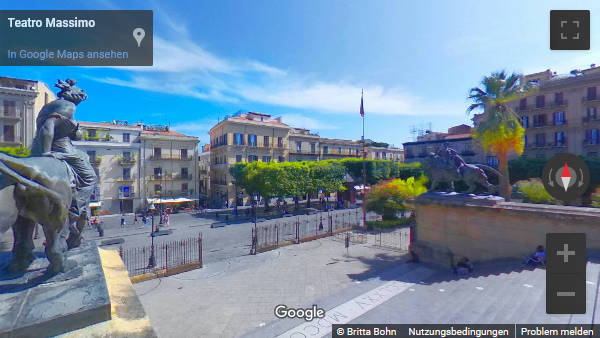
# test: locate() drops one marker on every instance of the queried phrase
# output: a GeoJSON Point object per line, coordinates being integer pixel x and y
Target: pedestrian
{"type": "Point", "coordinates": [538, 257]}
{"type": "Point", "coordinates": [166, 220]}
{"type": "Point", "coordinates": [122, 221]}
{"type": "Point", "coordinates": [134, 218]}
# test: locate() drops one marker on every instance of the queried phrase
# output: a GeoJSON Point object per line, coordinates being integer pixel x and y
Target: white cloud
{"type": "Point", "coordinates": [301, 121]}
{"type": "Point", "coordinates": [182, 67]}
{"type": "Point", "coordinates": [345, 98]}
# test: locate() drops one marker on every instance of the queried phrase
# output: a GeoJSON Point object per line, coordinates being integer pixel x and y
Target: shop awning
{"type": "Point", "coordinates": [168, 200]}
{"type": "Point", "coordinates": [95, 204]}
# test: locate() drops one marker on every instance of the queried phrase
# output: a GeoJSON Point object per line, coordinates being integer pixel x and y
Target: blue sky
{"type": "Point", "coordinates": [307, 61]}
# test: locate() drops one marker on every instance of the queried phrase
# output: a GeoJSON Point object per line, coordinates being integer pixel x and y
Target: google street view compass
{"type": "Point", "coordinates": [566, 177]}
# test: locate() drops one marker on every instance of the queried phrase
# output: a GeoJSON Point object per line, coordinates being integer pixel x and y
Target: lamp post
{"type": "Point", "coordinates": [152, 260]}
{"type": "Point", "coordinates": [254, 207]}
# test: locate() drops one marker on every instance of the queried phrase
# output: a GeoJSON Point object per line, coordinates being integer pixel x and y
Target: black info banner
{"type": "Point", "coordinates": [464, 330]}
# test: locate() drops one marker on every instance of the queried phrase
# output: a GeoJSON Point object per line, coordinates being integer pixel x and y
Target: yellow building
{"type": "Point", "coordinates": [562, 116]}
{"type": "Point", "coordinates": [245, 137]}
{"type": "Point", "coordinates": [249, 137]}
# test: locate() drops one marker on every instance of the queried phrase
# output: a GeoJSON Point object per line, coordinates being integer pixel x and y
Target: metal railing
{"type": "Point", "coordinates": [398, 239]}
{"type": "Point", "coordinates": [167, 255]}
{"type": "Point", "coordinates": [303, 228]}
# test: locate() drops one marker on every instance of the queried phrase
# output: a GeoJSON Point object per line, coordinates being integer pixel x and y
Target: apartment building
{"type": "Point", "coordinates": [249, 137]}
{"type": "Point", "coordinates": [114, 151]}
{"type": "Point", "coordinates": [303, 145]}
{"type": "Point", "coordinates": [459, 138]}
{"type": "Point", "coordinates": [336, 148]}
{"type": "Point", "coordinates": [562, 115]}
{"type": "Point", "coordinates": [244, 137]}
{"type": "Point", "coordinates": [169, 166]}
{"type": "Point", "coordinates": [20, 102]}
{"type": "Point", "coordinates": [138, 165]}
{"type": "Point", "coordinates": [204, 174]}
{"type": "Point", "coordinates": [385, 153]}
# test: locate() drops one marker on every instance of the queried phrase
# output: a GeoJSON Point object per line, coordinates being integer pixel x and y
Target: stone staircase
{"type": "Point", "coordinates": [502, 292]}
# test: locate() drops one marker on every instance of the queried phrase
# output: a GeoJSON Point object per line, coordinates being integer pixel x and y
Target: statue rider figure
{"type": "Point", "coordinates": [56, 127]}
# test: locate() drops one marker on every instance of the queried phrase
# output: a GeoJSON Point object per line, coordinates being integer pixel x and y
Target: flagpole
{"type": "Point", "coordinates": [364, 164]}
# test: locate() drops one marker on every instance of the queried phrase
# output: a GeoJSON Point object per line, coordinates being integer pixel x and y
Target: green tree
{"type": "Point", "coordinates": [498, 128]}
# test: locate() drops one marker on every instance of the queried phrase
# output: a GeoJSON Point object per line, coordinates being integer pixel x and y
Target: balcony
{"type": "Point", "coordinates": [126, 161]}
{"type": "Point", "coordinates": [163, 177]}
{"type": "Point", "coordinates": [591, 143]}
{"type": "Point", "coordinates": [590, 99]}
{"type": "Point", "coordinates": [171, 158]}
{"type": "Point", "coordinates": [96, 161]}
{"type": "Point", "coordinates": [123, 196]}
{"type": "Point", "coordinates": [559, 123]}
{"type": "Point", "coordinates": [97, 137]}
{"type": "Point", "coordinates": [11, 114]}
{"type": "Point", "coordinates": [588, 119]}
{"type": "Point", "coordinates": [125, 179]}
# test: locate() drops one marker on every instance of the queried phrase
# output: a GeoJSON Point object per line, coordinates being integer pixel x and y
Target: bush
{"type": "Point", "coordinates": [16, 151]}
{"type": "Point", "coordinates": [533, 191]}
{"type": "Point", "coordinates": [390, 197]}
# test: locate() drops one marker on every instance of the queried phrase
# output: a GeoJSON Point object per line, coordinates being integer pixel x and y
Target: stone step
{"type": "Point", "coordinates": [494, 294]}
{"type": "Point", "coordinates": [479, 299]}
{"type": "Point", "coordinates": [518, 293]}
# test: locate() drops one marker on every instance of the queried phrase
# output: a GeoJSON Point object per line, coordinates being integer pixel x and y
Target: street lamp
{"type": "Point", "coordinates": [152, 260]}
{"type": "Point", "coordinates": [254, 207]}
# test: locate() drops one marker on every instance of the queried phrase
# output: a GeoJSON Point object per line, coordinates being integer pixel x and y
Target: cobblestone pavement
{"type": "Point", "coordinates": [236, 296]}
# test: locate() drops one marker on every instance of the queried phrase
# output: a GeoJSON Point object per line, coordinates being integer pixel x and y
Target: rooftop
{"type": "Point", "coordinates": [11, 82]}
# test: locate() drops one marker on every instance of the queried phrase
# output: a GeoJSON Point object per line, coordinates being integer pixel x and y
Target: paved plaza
{"type": "Point", "coordinates": [237, 297]}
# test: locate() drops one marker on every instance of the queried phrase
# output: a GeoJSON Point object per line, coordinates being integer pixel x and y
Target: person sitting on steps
{"type": "Point", "coordinates": [538, 257]}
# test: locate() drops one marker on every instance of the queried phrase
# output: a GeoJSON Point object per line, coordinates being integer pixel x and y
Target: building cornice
{"type": "Point", "coordinates": [19, 92]}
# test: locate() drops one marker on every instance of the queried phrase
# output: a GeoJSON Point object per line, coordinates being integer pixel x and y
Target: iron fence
{"type": "Point", "coordinates": [303, 228]}
{"type": "Point", "coordinates": [398, 239]}
{"type": "Point", "coordinates": [163, 256]}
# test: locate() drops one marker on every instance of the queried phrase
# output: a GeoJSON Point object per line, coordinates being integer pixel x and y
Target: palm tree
{"type": "Point", "coordinates": [499, 128]}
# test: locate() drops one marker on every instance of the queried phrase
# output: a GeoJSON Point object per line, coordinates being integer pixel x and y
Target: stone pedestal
{"type": "Point", "coordinates": [36, 305]}
{"type": "Point", "coordinates": [485, 228]}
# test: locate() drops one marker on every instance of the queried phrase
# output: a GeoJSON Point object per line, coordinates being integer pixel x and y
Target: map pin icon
{"type": "Point", "coordinates": [138, 35]}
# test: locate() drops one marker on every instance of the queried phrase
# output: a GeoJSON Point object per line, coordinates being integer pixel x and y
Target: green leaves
{"type": "Point", "coordinates": [389, 197]}
{"type": "Point", "coordinates": [16, 151]}
{"type": "Point", "coordinates": [295, 179]}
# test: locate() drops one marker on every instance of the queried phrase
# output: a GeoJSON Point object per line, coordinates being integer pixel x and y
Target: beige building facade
{"type": "Point", "coordinates": [249, 137]}
{"type": "Point", "coordinates": [20, 103]}
{"type": "Point", "coordinates": [137, 164]}
{"type": "Point", "coordinates": [458, 138]}
{"type": "Point", "coordinates": [204, 174]}
{"type": "Point", "coordinates": [114, 151]}
{"type": "Point", "coordinates": [562, 115]}
{"type": "Point", "coordinates": [245, 137]}
{"type": "Point", "coordinates": [169, 164]}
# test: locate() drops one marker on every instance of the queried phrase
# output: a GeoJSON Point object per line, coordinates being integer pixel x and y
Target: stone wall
{"type": "Point", "coordinates": [451, 226]}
